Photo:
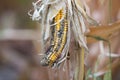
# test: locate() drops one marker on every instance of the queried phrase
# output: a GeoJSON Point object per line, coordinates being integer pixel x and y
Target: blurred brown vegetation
{"type": "Point", "coordinates": [19, 42]}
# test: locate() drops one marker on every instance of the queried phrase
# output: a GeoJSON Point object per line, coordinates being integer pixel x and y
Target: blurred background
{"type": "Point", "coordinates": [19, 39]}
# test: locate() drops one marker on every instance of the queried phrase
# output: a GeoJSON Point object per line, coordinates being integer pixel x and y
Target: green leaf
{"type": "Point", "coordinates": [108, 75]}
{"type": "Point", "coordinates": [87, 75]}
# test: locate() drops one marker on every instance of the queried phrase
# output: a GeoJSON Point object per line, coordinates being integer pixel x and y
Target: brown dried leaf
{"type": "Point", "coordinates": [102, 31]}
